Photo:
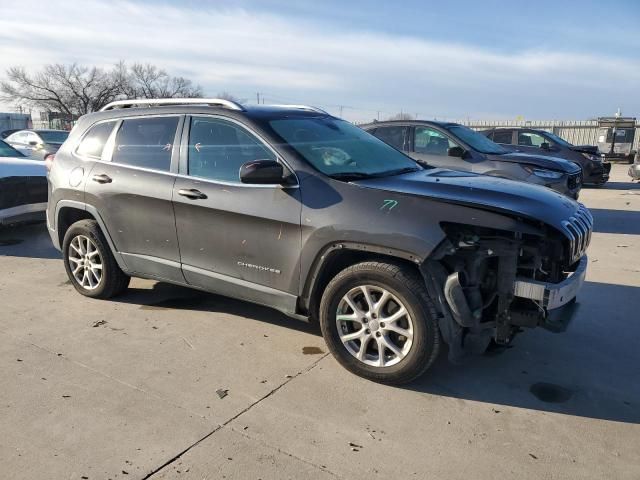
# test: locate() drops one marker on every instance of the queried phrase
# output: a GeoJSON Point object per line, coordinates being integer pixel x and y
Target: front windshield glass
{"type": "Point", "coordinates": [476, 140]}
{"type": "Point", "coordinates": [340, 149]}
{"type": "Point", "coordinates": [53, 136]}
{"type": "Point", "coordinates": [558, 140]}
{"type": "Point", "coordinates": [8, 151]}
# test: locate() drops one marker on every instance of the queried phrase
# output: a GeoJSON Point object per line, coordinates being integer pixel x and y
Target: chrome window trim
{"type": "Point", "coordinates": [185, 151]}
{"type": "Point", "coordinates": [90, 158]}
{"type": "Point", "coordinates": [107, 152]}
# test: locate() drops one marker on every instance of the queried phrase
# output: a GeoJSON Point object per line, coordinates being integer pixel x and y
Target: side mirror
{"type": "Point", "coordinates": [456, 152]}
{"type": "Point", "coordinates": [262, 172]}
{"type": "Point", "coordinates": [33, 143]}
{"type": "Point", "coordinates": [545, 146]}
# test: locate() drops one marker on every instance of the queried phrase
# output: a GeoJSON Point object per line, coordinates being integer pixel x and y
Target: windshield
{"type": "Point", "coordinates": [340, 149]}
{"type": "Point", "coordinates": [53, 136]}
{"type": "Point", "coordinates": [8, 151]}
{"type": "Point", "coordinates": [558, 140]}
{"type": "Point", "coordinates": [476, 140]}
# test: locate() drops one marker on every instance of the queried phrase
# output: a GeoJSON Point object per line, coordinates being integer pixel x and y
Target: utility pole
{"type": "Point", "coordinates": [258, 97]}
{"type": "Point", "coordinates": [341, 111]}
{"type": "Point", "coordinates": [378, 115]}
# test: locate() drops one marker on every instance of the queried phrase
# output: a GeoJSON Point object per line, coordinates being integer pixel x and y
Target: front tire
{"type": "Point", "coordinates": [379, 323]}
{"type": "Point", "coordinates": [89, 262]}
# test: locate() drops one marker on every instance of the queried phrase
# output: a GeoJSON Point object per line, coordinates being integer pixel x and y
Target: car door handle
{"type": "Point", "coordinates": [101, 178]}
{"type": "Point", "coordinates": [192, 193]}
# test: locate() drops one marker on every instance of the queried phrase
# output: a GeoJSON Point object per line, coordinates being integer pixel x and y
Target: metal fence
{"type": "Point", "coordinates": [583, 132]}
{"type": "Point", "coordinates": [10, 121]}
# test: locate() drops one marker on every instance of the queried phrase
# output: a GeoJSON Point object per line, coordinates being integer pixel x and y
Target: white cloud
{"type": "Point", "coordinates": [244, 52]}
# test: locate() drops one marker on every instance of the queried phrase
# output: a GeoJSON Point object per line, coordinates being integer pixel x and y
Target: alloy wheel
{"type": "Point", "coordinates": [374, 326]}
{"type": "Point", "coordinates": [85, 262]}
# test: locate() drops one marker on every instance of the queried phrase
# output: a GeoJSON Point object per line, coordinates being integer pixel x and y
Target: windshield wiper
{"type": "Point", "coordinates": [398, 171]}
{"type": "Point", "coordinates": [351, 175]}
{"type": "Point", "coordinates": [361, 175]}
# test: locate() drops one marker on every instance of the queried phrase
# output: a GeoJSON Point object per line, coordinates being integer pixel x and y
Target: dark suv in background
{"type": "Point", "coordinates": [292, 208]}
{"type": "Point", "coordinates": [540, 142]}
{"type": "Point", "coordinates": [454, 146]}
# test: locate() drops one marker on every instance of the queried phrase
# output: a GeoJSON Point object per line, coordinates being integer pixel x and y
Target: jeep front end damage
{"type": "Point", "coordinates": [488, 284]}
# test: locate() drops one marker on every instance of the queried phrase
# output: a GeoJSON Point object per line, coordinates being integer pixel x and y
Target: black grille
{"type": "Point", "coordinates": [578, 229]}
{"type": "Point", "coordinates": [575, 180]}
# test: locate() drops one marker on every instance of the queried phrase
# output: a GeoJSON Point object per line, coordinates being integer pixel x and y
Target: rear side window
{"type": "Point", "coordinates": [394, 136]}
{"type": "Point", "coordinates": [218, 148]}
{"type": "Point", "coordinates": [502, 136]}
{"type": "Point", "coordinates": [146, 142]}
{"type": "Point", "coordinates": [93, 142]}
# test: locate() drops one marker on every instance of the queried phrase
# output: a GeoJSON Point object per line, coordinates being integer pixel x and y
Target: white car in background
{"type": "Point", "coordinates": [23, 187]}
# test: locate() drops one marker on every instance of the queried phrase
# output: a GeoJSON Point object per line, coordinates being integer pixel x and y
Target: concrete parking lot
{"type": "Point", "coordinates": [165, 382]}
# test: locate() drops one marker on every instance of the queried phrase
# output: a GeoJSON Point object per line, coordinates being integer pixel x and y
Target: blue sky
{"type": "Point", "coordinates": [455, 59]}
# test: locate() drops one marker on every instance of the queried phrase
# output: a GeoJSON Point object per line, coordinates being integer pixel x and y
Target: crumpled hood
{"type": "Point", "coordinates": [550, 163]}
{"type": "Point", "coordinates": [586, 149]}
{"type": "Point", "coordinates": [509, 197]}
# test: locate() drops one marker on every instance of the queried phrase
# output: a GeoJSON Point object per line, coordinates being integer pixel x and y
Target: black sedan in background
{"type": "Point", "coordinates": [37, 144]}
{"type": "Point", "coordinates": [541, 142]}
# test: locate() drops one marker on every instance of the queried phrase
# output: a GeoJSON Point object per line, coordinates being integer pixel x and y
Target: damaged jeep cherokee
{"type": "Point", "coordinates": [290, 207]}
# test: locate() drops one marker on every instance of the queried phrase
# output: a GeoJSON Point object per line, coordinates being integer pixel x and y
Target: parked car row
{"type": "Point", "coordinates": [37, 144]}
{"type": "Point", "coordinates": [540, 142]}
{"type": "Point", "coordinates": [290, 207]}
{"type": "Point", "coordinates": [454, 146]}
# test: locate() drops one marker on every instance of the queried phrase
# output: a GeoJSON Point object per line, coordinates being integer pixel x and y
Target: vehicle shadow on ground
{"type": "Point", "coordinates": [616, 221]}
{"type": "Point", "coordinates": [589, 371]}
{"type": "Point", "coordinates": [617, 186]}
{"type": "Point", "coordinates": [163, 296]}
{"type": "Point", "coordinates": [27, 240]}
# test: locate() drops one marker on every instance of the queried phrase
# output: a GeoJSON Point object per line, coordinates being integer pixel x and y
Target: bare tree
{"type": "Point", "coordinates": [401, 116]}
{"type": "Point", "coordinates": [70, 89]}
{"type": "Point", "coordinates": [229, 96]}
{"type": "Point", "coordinates": [76, 90]}
{"type": "Point", "coordinates": [149, 81]}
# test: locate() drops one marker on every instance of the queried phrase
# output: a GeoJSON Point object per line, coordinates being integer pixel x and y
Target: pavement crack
{"type": "Point", "coordinates": [236, 416]}
{"type": "Point", "coordinates": [289, 454]}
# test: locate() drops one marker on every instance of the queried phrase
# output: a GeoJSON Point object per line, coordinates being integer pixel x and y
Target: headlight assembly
{"type": "Point", "coordinates": [543, 173]}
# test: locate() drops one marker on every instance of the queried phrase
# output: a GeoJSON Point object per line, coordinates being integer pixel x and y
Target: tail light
{"type": "Point", "coordinates": [48, 161]}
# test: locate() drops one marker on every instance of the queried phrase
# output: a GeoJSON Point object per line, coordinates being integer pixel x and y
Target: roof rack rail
{"type": "Point", "coordinates": [303, 107]}
{"type": "Point", "coordinates": [152, 102]}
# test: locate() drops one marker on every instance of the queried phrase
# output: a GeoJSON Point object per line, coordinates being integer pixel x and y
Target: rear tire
{"type": "Point", "coordinates": [89, 262]}
{"type": "Point", "coordinates": [361, 313]}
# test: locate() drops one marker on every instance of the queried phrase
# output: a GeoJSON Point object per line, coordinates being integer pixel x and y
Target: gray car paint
{"type": "Point", "coordinates": [508, 165]}
{"type": "Point", "coordinates": [285, 228]}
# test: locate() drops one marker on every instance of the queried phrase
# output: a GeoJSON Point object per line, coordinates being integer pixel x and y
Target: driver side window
{"type": "Point", "coordinates": [432, 142]}
{"type": "Point", "coordinates": [218, 148]}
{"type": "Point", "coordinates": [530, 139]}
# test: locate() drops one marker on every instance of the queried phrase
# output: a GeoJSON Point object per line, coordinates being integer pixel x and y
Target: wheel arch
{"type": "Point", "coordinates": [336, 257]}
{"type": "Point", "coordinates": [68, 212]}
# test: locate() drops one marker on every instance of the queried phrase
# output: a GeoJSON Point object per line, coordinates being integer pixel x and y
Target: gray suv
{"type": "Point", "coordinates": [451, 145]}
{"type": "Point", "coordinates": [289, 207]}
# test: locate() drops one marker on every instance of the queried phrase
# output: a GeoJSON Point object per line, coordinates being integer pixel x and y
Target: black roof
{"type": "Point", "coordinates": [386, 123]}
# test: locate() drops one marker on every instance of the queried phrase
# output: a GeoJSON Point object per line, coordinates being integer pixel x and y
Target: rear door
{"type": "Point", "coordinates": [503, 136]}
{"type": "Point", "coordinates": [395, 135]}
{"type": "Point", "coordinates": [131, 186]}
{"type": "Point", "coordinates": [235, 239]}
